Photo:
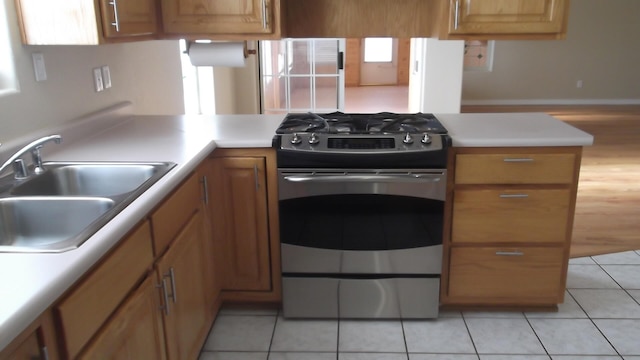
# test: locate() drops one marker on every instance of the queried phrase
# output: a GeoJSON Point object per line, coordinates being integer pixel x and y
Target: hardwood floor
{"type": "Point", "coordinates": [608, 205]}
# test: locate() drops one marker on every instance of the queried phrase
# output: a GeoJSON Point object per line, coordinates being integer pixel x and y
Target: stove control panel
{"type": "Point", "coordinates": [353, 144]}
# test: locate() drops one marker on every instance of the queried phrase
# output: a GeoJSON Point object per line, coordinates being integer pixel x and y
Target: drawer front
{"type": "Point", "coordinates": [174, 213]}
{"type": "Point", "coordinates": [506, 275]}
{"type": "Point", "coordinates": [524, 215]}
{"type": "Point", "coordinates": [93, 301]}
{"type": "Point", "coordinates": [515, 168]}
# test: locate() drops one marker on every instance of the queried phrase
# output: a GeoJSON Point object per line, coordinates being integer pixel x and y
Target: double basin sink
{"type": "Point", "coordinates": [62, 207]}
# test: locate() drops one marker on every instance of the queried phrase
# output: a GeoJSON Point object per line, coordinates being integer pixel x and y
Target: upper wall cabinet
{"type": "Point", "coordinates": [85, 22]}
{"type": "Point", "coordinates": [506, 19]}
{"type": "Point", "coordinates": [221, 19]}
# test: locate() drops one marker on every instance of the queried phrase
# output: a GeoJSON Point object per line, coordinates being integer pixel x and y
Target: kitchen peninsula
{"type": "Point", "coordinates": [35, 283]}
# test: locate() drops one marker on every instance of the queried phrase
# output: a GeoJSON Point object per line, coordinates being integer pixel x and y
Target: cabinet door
{"type": "Point", "coordinates": [28, 349]}
{"type": "Point", "coordinates": [515, 276]}
{"type": "Point", "coordinates": [217, 16]}
{"type": "Point", "coordinates": [507, 16]}
{"type": "Point", "coordinates": [240, 222]}
{"type": "Point", "coordinates": [124, 18]}
{"type": "Point", "coordinates": [181, 271]}
{"type": "Point", "coordinates": [135, 331]}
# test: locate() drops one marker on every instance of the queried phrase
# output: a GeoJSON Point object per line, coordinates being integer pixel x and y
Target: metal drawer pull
{"type": "Point", "coordinates": [165, 297]}
{"type": "Point", "coordinates": [264, 14]}
{"type": "Point", "coordinates": [518, 160]}
{"type": "Point", "coordinates": [509, 253]}
{"type": "Point", "coordinates": [116, 22]}
{"type": "Point", "coordinates": [514, 196]}
{"type": "Point", "coordinates": [172, 277]}
{"type": "Point", "coordinates": [456, 16]}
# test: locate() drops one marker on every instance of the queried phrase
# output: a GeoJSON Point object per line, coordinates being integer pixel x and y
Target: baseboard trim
{"type": "Point", "coordinates": [553, 102]}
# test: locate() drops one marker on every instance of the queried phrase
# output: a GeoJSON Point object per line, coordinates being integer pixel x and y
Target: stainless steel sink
{"type": "Point", "coordinates": [41, 224]}
{"type": "Point", "coordinates": [91, 179]}
{"type": "Point", "coordinates": [62, 207]}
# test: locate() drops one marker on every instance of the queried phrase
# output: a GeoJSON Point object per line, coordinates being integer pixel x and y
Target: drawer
{"type": "Point", "coordinates": [506, 275]}
{"type": "Point", "coordinates": [523, 215]}
{"type": "Point", "coordinates": [174, 213]}
{"type": "Point", "coordinates": [515, 168]}
{"type": "Point", "coordinates": [92, 302]}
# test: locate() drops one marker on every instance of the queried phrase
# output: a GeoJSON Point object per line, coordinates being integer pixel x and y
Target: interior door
{"type": "Point", "coordinates": [300, 75]}
{"type": "Point", "coordinates": [379, 61]}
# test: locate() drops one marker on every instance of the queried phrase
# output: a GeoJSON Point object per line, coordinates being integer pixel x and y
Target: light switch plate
{"type": "Point", "coordinates": [97, 79]}
{"type": "Point", "coordinates": [106, 77]}
{"type": "Point", "coordinates": [38, 66]}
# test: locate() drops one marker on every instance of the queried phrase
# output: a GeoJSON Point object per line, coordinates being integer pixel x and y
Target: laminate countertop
{"type": "Point", "coordinates": [31, 283]}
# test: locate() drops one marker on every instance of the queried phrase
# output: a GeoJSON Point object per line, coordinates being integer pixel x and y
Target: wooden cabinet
{"type": "Point", "coordinates": [85, 22]}
{"type": "Point", "coordinates": [181, 273]}
{"type": "Point", "coordinates": [506, 19]}
{"type": "Point", "coordinates": [222, 18]}
{"type": "Point", "coordinates": [245, 223]}
{"type": "Point", "coordinates": [135, 331]}
{"type": "Point", "coordinates": [89, 305]}
{"type": "Point", "coordinates": [510, 228]}
{"type": "Point", "coordinates": [37, 341]}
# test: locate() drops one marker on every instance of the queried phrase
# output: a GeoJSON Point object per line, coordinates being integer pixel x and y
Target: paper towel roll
{"type": "Point", "coordinates": [231, 54]}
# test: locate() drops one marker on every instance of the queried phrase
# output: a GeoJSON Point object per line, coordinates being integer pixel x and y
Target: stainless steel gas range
{"type": "Point", "coordinates": [361, 201]}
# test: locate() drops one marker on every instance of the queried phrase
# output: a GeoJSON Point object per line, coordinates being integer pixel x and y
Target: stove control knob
{"type": "Point", "coordinates": [313, 139]}
{"type": "Point", "coordinates": [426, 139]}
{"type": "Point", "coordinates": [407, 139]}
{"type": "Point", "coordinates": [295, 140]}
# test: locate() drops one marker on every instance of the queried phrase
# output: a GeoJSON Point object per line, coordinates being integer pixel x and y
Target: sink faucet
{"type": "Point", "coordinates": [19, 168]}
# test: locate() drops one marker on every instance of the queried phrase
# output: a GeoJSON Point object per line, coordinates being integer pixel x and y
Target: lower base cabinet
{"type": "Point", "coordinates": [136, 330]}
{"type": "Point", "coordinates": [180, 271]}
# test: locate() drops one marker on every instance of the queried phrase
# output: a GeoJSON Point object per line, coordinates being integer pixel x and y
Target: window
{"type": "Point", "coordinates": [8, 80]}
{"type": "Point", "coordinates": [378, 50]}
{"type": "Point", "coordinates": [197, 83]}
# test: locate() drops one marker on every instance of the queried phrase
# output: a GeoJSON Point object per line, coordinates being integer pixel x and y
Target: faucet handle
{"type": "Point", "coordinates": [19, 169]}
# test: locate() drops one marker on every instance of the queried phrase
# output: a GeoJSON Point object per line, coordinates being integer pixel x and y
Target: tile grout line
{"type": "Point", "coordinates": [404, 338]}
{"type": "Point", "coordinates": [473, 343]}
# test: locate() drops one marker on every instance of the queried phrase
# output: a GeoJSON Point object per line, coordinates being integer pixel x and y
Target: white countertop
{"type": "Point", "coordinates": [32, 282]}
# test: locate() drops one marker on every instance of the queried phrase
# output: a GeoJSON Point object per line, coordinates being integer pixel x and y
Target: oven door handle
{"type": "Point", "coordinates": [369, 178]}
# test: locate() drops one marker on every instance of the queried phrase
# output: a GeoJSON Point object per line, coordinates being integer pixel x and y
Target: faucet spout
{"type": "Point", "coordinates": [34, 148]}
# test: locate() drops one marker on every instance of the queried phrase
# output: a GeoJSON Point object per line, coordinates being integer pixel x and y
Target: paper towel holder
{"type": "Point", "coordinates": [247, 51]}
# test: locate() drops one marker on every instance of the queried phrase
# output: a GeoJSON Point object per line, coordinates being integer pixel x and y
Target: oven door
{"type": "Point", "coordinates": [337, 221]}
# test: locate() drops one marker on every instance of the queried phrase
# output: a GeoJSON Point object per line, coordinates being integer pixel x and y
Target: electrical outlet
{"type": "Point", "coordinates": [106, 76]}
{"type": "Point", "coordinates": [97, 79]}
{"type": "Point", "coordinates": [38, 66]}
{"type": "Point", "coordinates": [579, 84]}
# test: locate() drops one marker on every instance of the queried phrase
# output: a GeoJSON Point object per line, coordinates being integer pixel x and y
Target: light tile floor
{"type": "Point", "coordinates": [599, 320]}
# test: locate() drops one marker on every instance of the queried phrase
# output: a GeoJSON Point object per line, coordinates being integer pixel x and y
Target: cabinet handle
{"type": "Point", "coordinates": [509, 253]}
{"type": "Point", "coordinates": [514, 196]}
{"type": "Point", "coordinates": [165, 296]}
{"type": "Point", "coordinates": [115, 22]}
{"type": "Point", "coordinates": [45, 353]}
{"type": "Point", "coordinates": [518, 160]}
{"type": "Point", "coordinates": [255, 177]}
{"type": "Point", "coordinates": [171, 275]}
{"type": "Point", "coordinates": [205, 188]}
{"type": "Point", "coordinates": [264, 14]}
{"type": "Point", "coordinates": [456, 16]}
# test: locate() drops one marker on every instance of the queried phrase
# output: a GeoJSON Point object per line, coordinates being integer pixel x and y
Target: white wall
{"type": "Point", "coordinates": [146, 73]}
{"type": "Point", "coordinates": [602, 49]}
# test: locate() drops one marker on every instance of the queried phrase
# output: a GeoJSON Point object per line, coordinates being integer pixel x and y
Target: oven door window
{"type": "Point", "coordinates": [361, 222]}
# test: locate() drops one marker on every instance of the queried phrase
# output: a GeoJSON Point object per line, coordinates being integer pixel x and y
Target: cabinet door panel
{"type": "Point", "coordinates": [506, 275]}
{"type": "Point", "coordinates": [507, 16]}
{"type": "Point", "coordinates": [240, 222]}
{"type": "Point", "coordinates": [217, 16]}
{"type": "Point", "coordinates": [133, 17]}
{"type": "Point", "coordinates": [183, 267]}
{"type": "Point", "coordinates": [135, 331]}
{"type": "Point", "coordinates": [523, 215]}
